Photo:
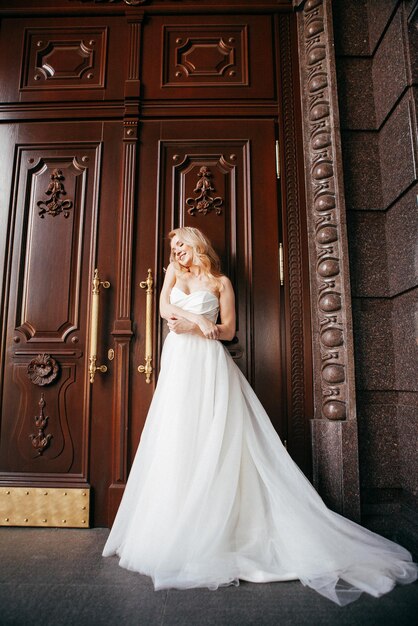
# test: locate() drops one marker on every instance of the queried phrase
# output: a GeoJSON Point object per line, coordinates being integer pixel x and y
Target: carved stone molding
{"type": "Point", "coordinates": [42, 370]}
{"type": "Point", "coordinates": [294, 261]}
{"type": "Point", "coordinates": [41, 441]}
{"type": "Point", "coordinates": [334, 429]}
{"type": "Point", "coordinates": [55, 205]}
{"type": "Point", "coordinates": [332, 332]}
{"type": "Point", "coordinates": [203, 202]}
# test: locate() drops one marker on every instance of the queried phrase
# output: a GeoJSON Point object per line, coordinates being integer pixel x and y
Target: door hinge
{"type": "Point", "coordinates": [277, 159]}
{"type": "Point", "coordinates": [281, 265]}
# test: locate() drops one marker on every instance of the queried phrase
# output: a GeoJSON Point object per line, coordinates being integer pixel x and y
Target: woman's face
{"type": "Point", "coordinates": [182, 253]}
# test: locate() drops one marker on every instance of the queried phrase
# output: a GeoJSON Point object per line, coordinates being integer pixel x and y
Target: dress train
{"type": "Point", "coordinates": [213, 496]}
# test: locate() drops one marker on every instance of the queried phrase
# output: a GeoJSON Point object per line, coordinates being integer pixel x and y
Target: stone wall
{"type": "Point", "coordinates": [376, 45]}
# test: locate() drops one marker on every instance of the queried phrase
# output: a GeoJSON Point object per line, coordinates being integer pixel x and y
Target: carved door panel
{"type": "Point", "coordinates": [235, 162]}
{"type": "Point", "coordinates": [60, 229]}
{"type": "Point", "coordinates": [77, 194]}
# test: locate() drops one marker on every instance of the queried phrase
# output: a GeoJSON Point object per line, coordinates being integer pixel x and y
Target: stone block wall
{"type": "Point", "coordinates": [376, 45]}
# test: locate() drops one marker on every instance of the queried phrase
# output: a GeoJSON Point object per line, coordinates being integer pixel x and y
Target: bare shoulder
{"type": "Point", "coordinates": [227, 291]}
{"type": "Point", "coordinates": [227, 307]}
{"type": "Point", "coordinates": [226, 283]}
{"type": "Point", "coordinates": [171, 270]}
{"type": "Point", "coordinates": [169, 278]}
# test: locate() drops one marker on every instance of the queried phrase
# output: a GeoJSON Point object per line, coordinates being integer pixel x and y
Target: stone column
{"type": "Point", "coordinates": [334, 427]}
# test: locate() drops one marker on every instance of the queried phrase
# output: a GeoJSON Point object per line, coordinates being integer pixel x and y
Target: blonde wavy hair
{"type": "Point", "coordinates": [204, 256]}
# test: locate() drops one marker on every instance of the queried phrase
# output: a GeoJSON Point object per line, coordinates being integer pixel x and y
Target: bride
{"type": "Point", "coordinates": [213, 497]}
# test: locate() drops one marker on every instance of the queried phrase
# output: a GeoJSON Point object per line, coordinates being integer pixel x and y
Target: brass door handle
{"type": "Point", "coordinates": [94, 325]}
{"type": "Point", "coordinates": [147, 368]}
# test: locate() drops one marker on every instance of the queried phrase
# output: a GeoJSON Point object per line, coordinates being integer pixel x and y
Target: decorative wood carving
{"type": "Point", "coordinates": [42, 370]}
{"type": "Point", "coordinates": [41, 441]}
{"type": "Point", "coordinates": [326, 219]}
{"type": "Point", "coordinates": [62, 239]}
{"type": "Point", "coordinates": [54, 206]}
{"type": "Point", "coordinates": [210, 56]}
{"type": "Point", "coordinates": [68, 420]}
{"type": "Point", "coordinates": [64, 58]}
{"type": "Point", "coordinates": [203, 202]}
{"type": "Point", "coordinates": [205, 54]}
{"type": "Point", "coordinates": [297, 409]}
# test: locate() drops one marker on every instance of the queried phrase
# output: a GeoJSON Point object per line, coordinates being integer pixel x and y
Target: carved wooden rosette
{"type": "Point", "coordinates": [331, 319]}
{"type": "Point", "coordinates": [42, 370]}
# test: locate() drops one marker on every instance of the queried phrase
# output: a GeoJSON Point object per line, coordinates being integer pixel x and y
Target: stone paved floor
{"type": "Point", "coordinates": [55, 577]}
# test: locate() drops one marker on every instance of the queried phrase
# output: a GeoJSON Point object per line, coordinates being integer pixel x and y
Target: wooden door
{"type": "Point", "coordinates": [114, 117]}
{"type": "Point", "coordinates": [61, 197]}
{"type": "Point", "coordinates": [213, 109]}
{"type": "Point", "coordinates": [241, 217]}
{"type": "Point", "coordinates": [60, 229]}
{"type": "Point", "coordinates": [218, 92]}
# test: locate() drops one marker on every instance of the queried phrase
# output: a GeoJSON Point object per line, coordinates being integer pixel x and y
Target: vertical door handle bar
{"type": "Point", "coordinates": [149, 286]}
{"type": "Point", "coordinates": [94, 325]}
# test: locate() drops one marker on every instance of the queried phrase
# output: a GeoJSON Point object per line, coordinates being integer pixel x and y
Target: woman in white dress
{"type": "Point", "coordinates": [213, 497]}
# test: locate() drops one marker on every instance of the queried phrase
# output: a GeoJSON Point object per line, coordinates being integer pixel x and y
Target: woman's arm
{"type": "Point", "coordinates": [227, 310]}
{"type": "Point", "coordinates": [170, 311]}
{"type": "Point", "coordinates": [179, 325]}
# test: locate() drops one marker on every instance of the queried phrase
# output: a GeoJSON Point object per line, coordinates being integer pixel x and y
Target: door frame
{"type": "Point", "coordinates": [296, 313]}
{"type": "Point", "coordinates": [313, 194]}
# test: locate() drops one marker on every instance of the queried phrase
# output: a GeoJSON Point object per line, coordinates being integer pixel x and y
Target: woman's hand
{"type": "Point", "coordinates": [180, 325]}
{"type": "Point", "coordinates": [208, 328]}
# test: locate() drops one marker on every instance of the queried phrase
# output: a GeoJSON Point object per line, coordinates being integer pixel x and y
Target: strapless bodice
{"type": "Point", "coordinates": [202, 302]}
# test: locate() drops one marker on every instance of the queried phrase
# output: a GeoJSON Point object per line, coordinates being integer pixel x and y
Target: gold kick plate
{"type": "Point", "coordinates": [42, 506]}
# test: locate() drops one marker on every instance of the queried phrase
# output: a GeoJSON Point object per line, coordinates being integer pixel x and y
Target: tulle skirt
{"type": "Point", "coordinates": [213, 496]}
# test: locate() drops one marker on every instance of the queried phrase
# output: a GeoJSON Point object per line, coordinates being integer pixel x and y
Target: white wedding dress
{"type": "Point", "coordinates": [213, 496]}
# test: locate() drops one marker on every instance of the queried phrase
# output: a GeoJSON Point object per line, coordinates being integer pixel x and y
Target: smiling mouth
{"type": "Point", "coordinates": [183, 254]}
